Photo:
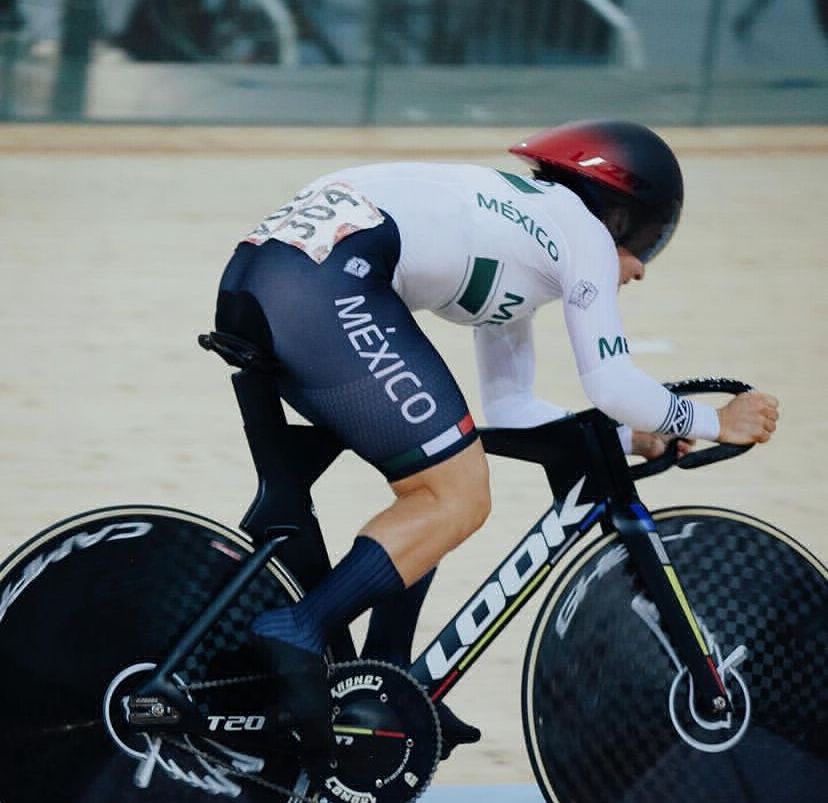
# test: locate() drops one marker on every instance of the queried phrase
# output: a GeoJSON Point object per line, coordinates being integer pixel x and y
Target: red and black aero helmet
{"type": "Point", "coordinates": [625, 174]}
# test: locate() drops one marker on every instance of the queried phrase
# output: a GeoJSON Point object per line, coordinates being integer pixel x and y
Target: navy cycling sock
{"type": "Point", "coordinates": [393, 621]}
{"type": "Point", "coordinates": [363, 577]}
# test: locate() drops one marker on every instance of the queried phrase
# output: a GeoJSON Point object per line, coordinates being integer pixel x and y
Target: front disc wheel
{"type": "Point", "coordinates": [609, 713]}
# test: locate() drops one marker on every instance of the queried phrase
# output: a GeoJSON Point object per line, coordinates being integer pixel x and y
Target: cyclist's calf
{"type": "Point", "coordinates": [435, 511]}
{"type": "Point", "coordinates": [461, 495]}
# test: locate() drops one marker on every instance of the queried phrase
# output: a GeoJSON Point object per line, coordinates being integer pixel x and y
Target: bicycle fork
{"type": "Point", "coordinates": [639, 535]}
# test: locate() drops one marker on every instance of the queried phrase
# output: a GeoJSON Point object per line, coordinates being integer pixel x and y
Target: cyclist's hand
{"type": "Point", "coordinates": [652, 445]}
{"type": "Point", "coordinates": [748, 418]}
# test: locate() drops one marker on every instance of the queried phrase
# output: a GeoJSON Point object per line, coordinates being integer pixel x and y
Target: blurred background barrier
{"type": "Point", "coordinates": [397, 62]}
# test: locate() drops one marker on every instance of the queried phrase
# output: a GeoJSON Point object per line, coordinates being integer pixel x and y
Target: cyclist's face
{"type": "Point", "coordinates": [630, 266]}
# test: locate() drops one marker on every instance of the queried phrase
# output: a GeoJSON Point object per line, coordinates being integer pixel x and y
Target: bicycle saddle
{"type": "Point", "coordinates": [238, 352]}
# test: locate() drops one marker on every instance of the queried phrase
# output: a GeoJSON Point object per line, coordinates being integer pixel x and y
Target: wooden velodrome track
{"type": "Point", "coordinates": [111, 244]}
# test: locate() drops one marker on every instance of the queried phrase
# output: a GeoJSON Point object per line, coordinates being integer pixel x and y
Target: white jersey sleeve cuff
{"type": "Point", "coordinates": [705, 422]}
{"type": "Point", "coordinates": [625, 434]}
{"type": "Point", "coordinates": [631, 397]}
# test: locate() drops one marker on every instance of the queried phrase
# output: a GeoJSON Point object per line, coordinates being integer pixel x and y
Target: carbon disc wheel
{"type": "Point", "coordinates": [607, 707]}
{"type": "Point", "coordinates": [85, 607]}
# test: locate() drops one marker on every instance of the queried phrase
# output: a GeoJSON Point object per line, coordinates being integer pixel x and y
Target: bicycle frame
{"type": "Point", "coordinates": [592, 483]}
{"type": "Point", "coordinates": [590, 480]}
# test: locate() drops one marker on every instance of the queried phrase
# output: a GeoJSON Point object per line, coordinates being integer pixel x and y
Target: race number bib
{"type": "Point", "coordinates": [318, 218]}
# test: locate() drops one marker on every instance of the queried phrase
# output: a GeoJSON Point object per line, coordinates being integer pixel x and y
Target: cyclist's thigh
{"type": "Point", "coordinates": [354, 359]}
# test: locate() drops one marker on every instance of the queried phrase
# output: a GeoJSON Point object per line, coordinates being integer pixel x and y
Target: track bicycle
{"type": "Point", "coordinates": [679, 655]}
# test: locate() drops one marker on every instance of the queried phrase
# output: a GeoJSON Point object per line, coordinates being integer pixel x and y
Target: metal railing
{"type": "Point", "coordinates": [412, 61]}
{"type": "Point", "coordinates": [632, 48]}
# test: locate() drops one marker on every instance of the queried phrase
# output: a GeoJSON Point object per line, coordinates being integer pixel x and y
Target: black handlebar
{"type": "Point", "coordinates": [702, 457]}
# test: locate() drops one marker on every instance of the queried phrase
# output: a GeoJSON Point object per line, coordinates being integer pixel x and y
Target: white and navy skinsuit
{"type": "Point", "coordinates": [329, 281]}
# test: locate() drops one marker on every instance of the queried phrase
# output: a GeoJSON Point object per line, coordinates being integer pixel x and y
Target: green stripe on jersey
{"type": "Point", "coordinates": [402, 460]}
{"type": "Point", "coordinates": [521, 184]}
{"type": "Point", "coordinates": [480, 285]}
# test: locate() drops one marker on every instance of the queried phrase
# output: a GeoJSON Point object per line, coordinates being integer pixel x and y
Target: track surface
{"type": "Point", "coordinates": [111, 244]}
{"type": "Point", "coordinates": [499, 793]}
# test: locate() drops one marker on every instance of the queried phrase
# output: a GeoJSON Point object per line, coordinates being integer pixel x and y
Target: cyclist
{"type": "Point", "coordinates": [328, 284]}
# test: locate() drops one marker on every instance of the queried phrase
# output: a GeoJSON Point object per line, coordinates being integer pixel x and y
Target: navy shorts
{"type": "Point", "coordinates": [352, 357]}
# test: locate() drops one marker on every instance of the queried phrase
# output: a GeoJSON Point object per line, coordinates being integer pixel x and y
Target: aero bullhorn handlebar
{"type": "Point", "coordinates": [702, 457]}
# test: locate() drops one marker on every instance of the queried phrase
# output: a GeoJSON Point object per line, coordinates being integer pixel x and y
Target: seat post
{"type": "Point", "coordinates": [288, 458]}
{"type": "Point", "coordinates": [268, 436]}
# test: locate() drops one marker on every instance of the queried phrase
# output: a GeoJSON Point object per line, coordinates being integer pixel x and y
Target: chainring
{"type": "Point", "coordinates": [388, 736]}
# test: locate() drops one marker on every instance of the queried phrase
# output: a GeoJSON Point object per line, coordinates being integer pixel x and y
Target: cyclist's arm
{"type": "Point", "coordinates": [506, 372]}
{"type": "Point", "coordinates": [609, 378]}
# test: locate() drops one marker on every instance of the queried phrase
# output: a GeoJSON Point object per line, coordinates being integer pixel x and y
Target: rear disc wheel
{"type": "Point", "coordinates": [94, 601]}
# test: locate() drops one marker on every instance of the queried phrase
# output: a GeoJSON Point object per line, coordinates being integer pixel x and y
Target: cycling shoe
{"type": "Point", "coordinates": [455, 732]}
{"type": "Point", "coordinates": [303, 693]}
